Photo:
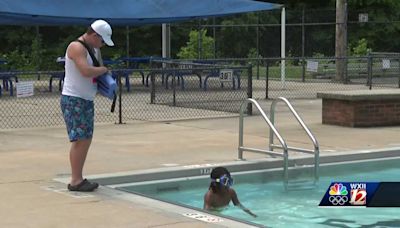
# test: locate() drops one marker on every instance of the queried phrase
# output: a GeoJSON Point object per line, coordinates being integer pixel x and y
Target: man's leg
{"type": "Point", "coordinates": [77, 157]}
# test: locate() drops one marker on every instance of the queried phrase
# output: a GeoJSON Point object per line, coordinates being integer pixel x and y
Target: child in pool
{"type": "Point", "coordinates": [220, 193]}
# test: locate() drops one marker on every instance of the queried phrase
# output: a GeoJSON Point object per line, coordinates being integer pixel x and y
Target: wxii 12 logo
{"type": "Point", "coordinates": [341, 194]}
{"type": "Point", "coordinates": [358, 194]}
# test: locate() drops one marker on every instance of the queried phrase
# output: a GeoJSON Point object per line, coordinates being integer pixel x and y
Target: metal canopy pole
{"type": "Point", "coordinates": [283, 44]}
{"type": "Point", "coordinates": [166, 40]}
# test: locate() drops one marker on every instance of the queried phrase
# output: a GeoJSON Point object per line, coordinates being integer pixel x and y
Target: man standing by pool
{"type": "Point", "coordinates": [78, 94]}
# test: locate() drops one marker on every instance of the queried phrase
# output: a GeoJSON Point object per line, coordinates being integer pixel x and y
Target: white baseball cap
{"type": "Point", "coordinates": [102, 28]}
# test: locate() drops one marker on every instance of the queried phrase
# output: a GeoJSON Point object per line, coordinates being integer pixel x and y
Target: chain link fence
{"type": "Point", "coordinates": [304, 77]}
{"type": "Point", "coordinates": [310, 32]}
{"type": "Point", "coordinates": [170, 90]}
{"type": "Point", "coordinates": [41, 107]}
{"type": "Point", "coordinates": [214, 88]}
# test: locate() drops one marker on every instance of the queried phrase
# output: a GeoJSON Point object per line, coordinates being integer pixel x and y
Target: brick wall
{"type": "Point", "coordinates": [361, 113]}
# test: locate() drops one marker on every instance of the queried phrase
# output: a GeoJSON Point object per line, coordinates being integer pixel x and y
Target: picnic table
{"type": "Point", "coordinates": [135, 64]}
{"type": "Point", "coordinates": [121, 72]}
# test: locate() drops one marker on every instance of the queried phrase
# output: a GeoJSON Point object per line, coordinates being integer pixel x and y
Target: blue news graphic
{"type": "Point", "coordinates": [349, 194]}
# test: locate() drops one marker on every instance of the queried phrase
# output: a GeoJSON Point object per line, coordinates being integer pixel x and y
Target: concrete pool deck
{"type": "Point", "coordinates": [32, 158]}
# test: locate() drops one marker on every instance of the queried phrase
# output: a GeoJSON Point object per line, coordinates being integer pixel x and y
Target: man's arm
{"type": "Point", "coordinates": [77, 52]}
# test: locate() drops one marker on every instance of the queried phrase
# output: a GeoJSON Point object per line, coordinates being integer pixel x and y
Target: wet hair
{"type": "Point", "coordinates": [217, 173]}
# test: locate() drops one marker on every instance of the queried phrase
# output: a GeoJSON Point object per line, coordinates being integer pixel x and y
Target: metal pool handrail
{"type": "Point", "coordinates": [305, 128]}
{"type": "Point", "coordinates": [283, 145]}
{"type": "Point", "coordinates": [241, 148]}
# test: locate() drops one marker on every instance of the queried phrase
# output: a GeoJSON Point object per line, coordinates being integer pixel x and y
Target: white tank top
{"type": "Point", "coordinates": [77, 85]}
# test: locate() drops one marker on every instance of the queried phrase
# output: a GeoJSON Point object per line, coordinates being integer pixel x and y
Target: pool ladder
{"type": "Point", "coordinates": [285, 153]}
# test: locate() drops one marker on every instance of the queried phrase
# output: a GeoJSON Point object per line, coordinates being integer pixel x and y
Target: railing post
{"type": "Point", "coordinates": [152, 81]}
{"type": "Point", "coordinates": [240, 151]}
{"type": "Point", "coordinates": [173, 87]}
{"type": "Point", "coordinates": [316, 165]}
{"type": "Point", "coordinates": [266, 79]}
{"type": "Point", "coordinates": [272, 119]}
{"type": "Point", "coordinates": [398, 68]}
{"type": "Point", "coordinates": [303, 73]}
{"type": "Point", "coordinates": [369, 79]}
{"type": "Point", "coordinates": [285, 169]}
{"type": "Point", "coordinates": [152, 87]}
{"type": "Point", "coordinates": [119, 99]}
{"type": "Point", "coordinates": [346, 71]}
{"type": "Point", "coordinates": [250, 88]}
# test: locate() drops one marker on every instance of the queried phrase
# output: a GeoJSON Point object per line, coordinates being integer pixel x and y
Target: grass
{"type": "Point", "coordinates": [291, 72]}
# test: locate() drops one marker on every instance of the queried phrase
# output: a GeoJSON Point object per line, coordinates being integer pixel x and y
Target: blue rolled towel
{"type": "Point", "coordinates": [106, 85]}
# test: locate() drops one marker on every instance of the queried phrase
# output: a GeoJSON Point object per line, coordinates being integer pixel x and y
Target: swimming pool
{"type": "Point", "coordinates": [263, 193]}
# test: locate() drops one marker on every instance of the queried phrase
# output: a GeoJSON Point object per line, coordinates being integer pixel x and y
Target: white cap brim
{"type": "Point", "coordinates": [108, 41]}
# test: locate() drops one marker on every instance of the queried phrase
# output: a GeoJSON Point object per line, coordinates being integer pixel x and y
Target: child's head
{"type": "Point", "coordinates": [220, 178]}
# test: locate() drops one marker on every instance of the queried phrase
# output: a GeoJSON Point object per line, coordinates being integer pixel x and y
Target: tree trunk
{"type": "Point", "coordinates": [341, 39]}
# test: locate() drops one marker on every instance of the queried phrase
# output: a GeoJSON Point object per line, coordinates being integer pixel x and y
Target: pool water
{"type": "Point", "coordinates": [278, 208]}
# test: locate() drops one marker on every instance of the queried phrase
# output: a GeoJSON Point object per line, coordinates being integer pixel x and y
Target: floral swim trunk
{"type": "Point", "coordinates": [78, 116]}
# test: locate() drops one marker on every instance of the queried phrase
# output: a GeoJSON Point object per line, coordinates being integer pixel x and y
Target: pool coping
{"type": "Point", "coordinates": [182, 210]}
{"type": "Point", "coordinates": [235, 166]}
{"type": "Point", "coordinates": [109, 179]}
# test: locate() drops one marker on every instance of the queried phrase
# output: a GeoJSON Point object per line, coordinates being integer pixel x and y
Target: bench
{"type": "Point", "coordinates": [358, 70]}
{"type": "Point", "coordinates": [60, 77]}
{"type": "Point", "coordinates": [125, 73]}
{"type": "Point", "coordinates": [182, 70]}
{"type": "Point", "coordinates": [328, 71]}
{"type": "Point", "coordinates": [362, 108]}
{"type": "Point", "coordinates": [7, 78]}
{"type": "Point", "coordinates": [168, 74]}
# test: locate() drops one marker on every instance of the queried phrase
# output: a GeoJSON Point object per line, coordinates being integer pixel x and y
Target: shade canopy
{"type": "Point", "coordinates": [120, 12]}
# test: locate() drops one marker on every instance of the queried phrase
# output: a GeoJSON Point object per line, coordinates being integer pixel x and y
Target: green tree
{"type": "Point", "coordinates": [35, 57]}
{"type": "Point", "coordinates": [253, 55]}
{"type": "Point", "coordinates": [382, 28]}
{"type": "Point", "coordinates": [235, 41]}
{"type": "Point", "coordinates": [191, 50]}
{"type": "Point", "coordinates": [360, 48]}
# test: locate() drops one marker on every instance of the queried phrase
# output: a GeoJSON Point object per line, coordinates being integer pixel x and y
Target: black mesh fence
{"type": "Point", "coordinates": [170, 90]}
{"type": "Point", "coordinates": [305, 77]}
{"type": "Point", "coordinates": [202, 88]}
{"type": "Point", "coordinates": [309, 32]}
{"type": "Point", "coordinates": [186, 89]}
{"type": "Point", "coordinates": [32, 99]}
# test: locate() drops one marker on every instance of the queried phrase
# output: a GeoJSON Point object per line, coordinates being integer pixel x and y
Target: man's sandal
{"type": "Point", "coordinates": [84, 186]}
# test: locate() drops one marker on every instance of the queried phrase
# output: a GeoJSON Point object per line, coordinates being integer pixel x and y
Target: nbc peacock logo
{"type": "Point", "coordinates": [338, 194]}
